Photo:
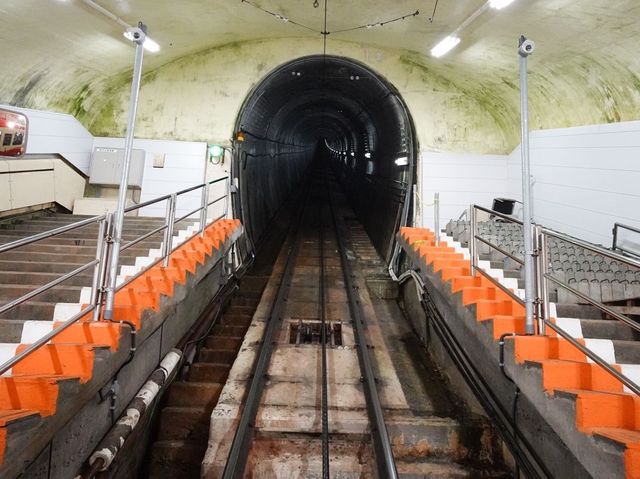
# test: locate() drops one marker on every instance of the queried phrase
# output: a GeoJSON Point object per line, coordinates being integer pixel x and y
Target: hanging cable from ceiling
{"type": "Point", "coordinates": [369, 26]}
{"type": "Point", "coordinates": [433, 15]}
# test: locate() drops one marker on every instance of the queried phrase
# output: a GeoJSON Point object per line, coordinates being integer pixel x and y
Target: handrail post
{"type": "Point", "coordinates": [543, 284]}
{"type": "Point", "coordinates": [472, 240]}
{"type": "Point", "coordinates": [436, 216]}
{"type": "Point", "coordinates": [168, 234]}
{"type": "Point", "coordinates": [525, 48]}
{"type": "Point", "coordinates": [227, 201]}
{"type": "Point", "coordinates": [614, 244]}
{"type": "Point", "coordinates": [98, 286]}
{"type": "Point", "coordinates": [205, 206]}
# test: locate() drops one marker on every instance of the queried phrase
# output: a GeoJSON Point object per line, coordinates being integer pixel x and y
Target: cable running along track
{"type": "Point", "coordinates": [319, 214]}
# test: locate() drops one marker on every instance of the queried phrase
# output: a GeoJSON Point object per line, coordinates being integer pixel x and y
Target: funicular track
{"type": "Point", "coordinates": [320, 226]}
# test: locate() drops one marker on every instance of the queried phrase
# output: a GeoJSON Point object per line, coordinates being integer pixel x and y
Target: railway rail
{"type": "Point", "coordinates": [320, 221]}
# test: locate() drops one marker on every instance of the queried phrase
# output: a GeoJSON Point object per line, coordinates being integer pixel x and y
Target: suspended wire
{"type": "Point", "coordinates": [325, 32]}
{"type": "Point", "coordinates": [433, 15]}
{"type": "Point", "coordinates": [278, 16]}
{"type": "Point", "coordinates": [368, 26]}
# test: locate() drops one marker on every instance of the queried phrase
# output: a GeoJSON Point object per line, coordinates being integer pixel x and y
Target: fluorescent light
{"type": "Point", "coordinates": [367, 155]}
{"type": "Point", "coordinates": [499, 4]}
{"type": "Point", "coordinates": [402, 161]}
{"type": "Point", "coordinates": [149, 44]}
{"type": "Point", "coordinates": [445, 46]}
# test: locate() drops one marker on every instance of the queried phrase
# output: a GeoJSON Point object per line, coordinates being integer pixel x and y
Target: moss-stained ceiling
{"type": "Point", "coordinates": [68, 57]}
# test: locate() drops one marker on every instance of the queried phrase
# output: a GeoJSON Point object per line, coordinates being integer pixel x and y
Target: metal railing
{"type": "Point", "coordinates": [98, 302]}
{"type": "Point", "coordinates": [474, 238]}
{"type": "Point", "coordinates": [543, 277]}
{"type": "Point", "coordinates": [615, 244]}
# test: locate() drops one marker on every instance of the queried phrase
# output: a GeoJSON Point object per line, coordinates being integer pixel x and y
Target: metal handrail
{"type": "Point", "coordinates": [593, 248]}
{"type": "Point", "coordinates": [595, 358]}
{"type": "Point", "coordinates": [44, 340]}
{"type": "Point", "coordinates": [99, 263]}
{"type": "Point", "coordinates": [614, 244]}
{"type": "Point", "coordinates": [473, 248]}
{"type": "Point", "coordinates": [543, 276]}
{"type": "Point", "coordinates": [49, 234]}
{"type": "Point", "coordinates": [510, 219]}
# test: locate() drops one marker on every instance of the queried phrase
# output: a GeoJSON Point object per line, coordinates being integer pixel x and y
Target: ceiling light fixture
{"type": "Point", "coordinates": [500, 4]}
{"type": "Point", "coordinates": [445, 46]}
{"type": "Point", "coordinates": [450, 42]}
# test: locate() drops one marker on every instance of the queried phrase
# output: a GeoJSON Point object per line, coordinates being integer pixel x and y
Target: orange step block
{"type": "Point", "coordinates": [540, 348]}
{"type": "Point", "coordinates": [562, 374]}
{"type": "Point", "coordinates": [37, 393]}
{"type": "Point", "coordinates": [74, 360]}
{"type": "Point", "coordinates": [97, 333]}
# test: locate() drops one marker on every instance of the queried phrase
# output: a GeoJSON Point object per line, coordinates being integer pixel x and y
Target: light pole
{"type": "Point", "coordinates": [138, 35]}
{"type": "Point", "coordinates": [525, 48]}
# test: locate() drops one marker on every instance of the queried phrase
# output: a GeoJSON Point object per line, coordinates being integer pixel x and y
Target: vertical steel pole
{"type": "Point", "coordinates": [472, 239]}
{"type": "Point", "coordinates": [436, 216]}
{"type": "Point", "coordinates": [96, 285]}
{"type": "Point", "coordinates": [124, 181]}
{"type": "Point", "coordinates": [171, 219]}
{"type": "Point", "coordinates": [205, 205]}
{"type": "Point", "coordinates": [524, 50]}
{"type": "Point", "coordinates": [543, 258]}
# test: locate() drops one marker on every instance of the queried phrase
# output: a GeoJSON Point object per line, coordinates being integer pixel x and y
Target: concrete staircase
{"type": "Point", "coordinates": [43, 392]}
{"type": "Point", "coordinates": [183, 427]}
{"type": "Point", "coordinates": [592, 413]}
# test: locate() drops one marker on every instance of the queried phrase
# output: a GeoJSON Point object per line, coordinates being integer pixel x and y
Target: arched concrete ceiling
{"type": "Point", "coordinates": [63, 52]}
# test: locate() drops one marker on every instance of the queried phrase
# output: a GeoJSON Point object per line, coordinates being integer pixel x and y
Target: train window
{"type": "Point", "coordinates": [17, 139]}
{"type": "Point", "coordinates": [6, 141]}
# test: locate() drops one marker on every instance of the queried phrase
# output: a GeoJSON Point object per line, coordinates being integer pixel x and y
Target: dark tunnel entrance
{"type": "Point", "coordinates": [330, 109]}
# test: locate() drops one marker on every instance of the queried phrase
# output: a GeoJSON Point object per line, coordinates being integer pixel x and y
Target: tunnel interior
{"type": "Point", "coordinates": [334, 110]}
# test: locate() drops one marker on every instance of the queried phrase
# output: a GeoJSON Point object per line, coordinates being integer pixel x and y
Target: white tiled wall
{"type": "Point", "coordinates": [584, 178]}
{"type": "Point", "coordinates": [461, 179]}
{"type": "Point", "coordinates": [51, 132]}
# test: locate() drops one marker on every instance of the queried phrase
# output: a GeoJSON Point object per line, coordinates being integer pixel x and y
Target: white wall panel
{"type": "Point", "coordinates": [461, 180]}
{"type": "Point", "coordinates": [51, 132]}
{"type": "Point", "coordinates": [184, 167]}
{"type": "Point", "coordinates": [585, 178]}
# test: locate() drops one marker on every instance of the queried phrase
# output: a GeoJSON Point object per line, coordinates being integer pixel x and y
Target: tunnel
{"type": "Point", "coordinates": [326, 108]}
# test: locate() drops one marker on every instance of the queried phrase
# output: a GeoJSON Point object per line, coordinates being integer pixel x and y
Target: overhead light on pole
{"type": "Point", "coordinates": [149, 44]}
{"type": "Point", "coordinates": [138, 36]}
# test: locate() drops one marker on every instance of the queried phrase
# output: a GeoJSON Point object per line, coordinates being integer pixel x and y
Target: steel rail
{"type": "Point", "coordinates": [323, 342]}
{"type": "Point", "coordinates": [237, 459]}
{"type": "Point", "coordinates": [381, 442]}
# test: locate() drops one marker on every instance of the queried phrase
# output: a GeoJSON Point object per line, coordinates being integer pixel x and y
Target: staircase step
{"type": "Point", "coordinates": [209, 372]}
{"type": "Point", "coordinates": [222, 342]}
{"type": "Point", "coordinates": [217, 356]}
{"type": "Point", "coordinates": [184, 423]}
{"type": "Point", "coordinates": [194, 394]}
{"type": "Point", "coordinates": [175, 459]}
{"type": "Point", "coordinates": [229, 331]}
